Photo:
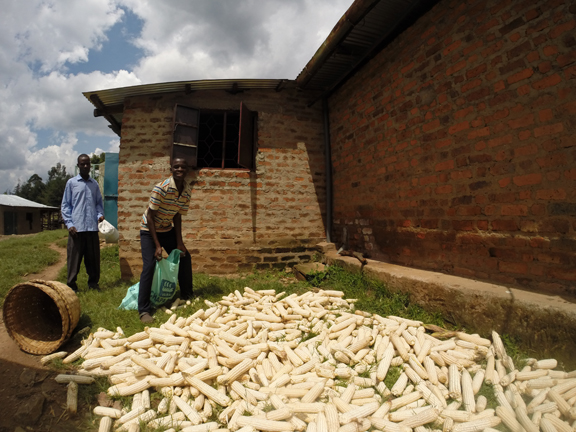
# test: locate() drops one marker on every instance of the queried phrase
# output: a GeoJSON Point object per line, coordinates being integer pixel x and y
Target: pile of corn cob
{"type": "Point", "coordinates": [261, 361]}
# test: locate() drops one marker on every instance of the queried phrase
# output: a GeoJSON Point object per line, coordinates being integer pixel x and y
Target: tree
{"type": "Point", "coordinates": [57, 178]}
{"type": "Point", "coordinates": [31, 190]}
{"type": "Point", "coordinates": [98, 159]}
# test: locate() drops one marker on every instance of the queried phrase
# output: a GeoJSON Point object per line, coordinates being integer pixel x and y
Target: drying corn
{"type": "Point", "coordinates": [314, 363]}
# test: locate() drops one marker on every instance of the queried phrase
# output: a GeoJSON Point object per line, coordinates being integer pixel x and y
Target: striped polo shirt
{"type": "Point", "coordinates": [166, 201]}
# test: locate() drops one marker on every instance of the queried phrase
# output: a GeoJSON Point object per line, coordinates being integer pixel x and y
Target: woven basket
{"type": "Point", "coordinates": [41, 315]}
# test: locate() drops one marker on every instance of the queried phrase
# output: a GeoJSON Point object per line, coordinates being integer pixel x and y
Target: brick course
{"type": "Point", "coordinates": [238, 220]}
{"type": "Point", "coordinates": [468, 163]}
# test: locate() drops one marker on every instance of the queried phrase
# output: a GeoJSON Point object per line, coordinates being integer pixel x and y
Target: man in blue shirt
{"type": "Point", "coordinates": [82, 209]}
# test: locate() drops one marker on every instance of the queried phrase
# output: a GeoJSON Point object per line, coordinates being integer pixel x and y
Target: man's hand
{"type": "Point", "coordinates": [72, 231]}
{"type": "Point", "coordinates": [182, 248]}
{"type": "Point", "coordinates": [158, 253]}
{"type": "Point", "coordinates": [101, 218]}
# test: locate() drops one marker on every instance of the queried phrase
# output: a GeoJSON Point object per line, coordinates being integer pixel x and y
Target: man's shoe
{"type": "Point", "coordinates": [95, 287]}
{"type": "Point", "coordinates": [146, 318]}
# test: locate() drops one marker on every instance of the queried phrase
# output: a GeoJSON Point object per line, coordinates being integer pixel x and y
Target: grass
{"type": "Point", "coordinates": [23, 255]}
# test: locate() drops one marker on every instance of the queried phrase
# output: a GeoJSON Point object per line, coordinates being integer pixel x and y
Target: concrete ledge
{"type": "Point", "coordinates": [545, 324]}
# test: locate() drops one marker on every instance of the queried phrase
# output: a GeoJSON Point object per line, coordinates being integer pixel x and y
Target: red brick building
{"type": "Point", "coordinates": [451, 141]}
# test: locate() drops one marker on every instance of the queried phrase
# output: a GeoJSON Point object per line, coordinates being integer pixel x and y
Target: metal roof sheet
{"type": "Point", "coordinates": [116, 96]}
{"type": "Point", "coordinates": [365, 28]}
{"type": "Point", "coordinates": [16, 201]}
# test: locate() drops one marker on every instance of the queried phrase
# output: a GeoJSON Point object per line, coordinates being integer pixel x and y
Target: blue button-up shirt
{"type": "Point", "coordinates": [82, 204]}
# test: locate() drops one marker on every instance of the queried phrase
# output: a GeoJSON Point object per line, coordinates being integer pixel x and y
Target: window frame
{"type": "Point", "coordinates": [247, 137]}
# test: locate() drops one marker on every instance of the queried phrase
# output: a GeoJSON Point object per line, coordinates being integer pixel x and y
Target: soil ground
{"type": "Point", "coordinates": [30, 398]}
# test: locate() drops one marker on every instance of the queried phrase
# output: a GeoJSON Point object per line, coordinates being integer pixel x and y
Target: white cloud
{"type": "Point", "coordinates": [42, 109]}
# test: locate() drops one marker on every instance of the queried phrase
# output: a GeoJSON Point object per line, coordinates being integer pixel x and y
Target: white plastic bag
{"type": "Point", "coordinates": [108, 232]}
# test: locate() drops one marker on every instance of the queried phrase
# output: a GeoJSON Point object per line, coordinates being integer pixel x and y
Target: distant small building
{"type": "Point", "coordinates": [21, 216]}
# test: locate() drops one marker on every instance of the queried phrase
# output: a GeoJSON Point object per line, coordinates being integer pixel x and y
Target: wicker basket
{"type": "Point", "coordinates": [41, 315]}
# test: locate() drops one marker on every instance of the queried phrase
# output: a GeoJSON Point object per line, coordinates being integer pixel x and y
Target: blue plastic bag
{"type": "Point", "coordinates": [163, 284]}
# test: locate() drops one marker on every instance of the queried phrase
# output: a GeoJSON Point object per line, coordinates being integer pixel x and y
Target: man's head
{"type": "Point", "coordinates": [84, 165]}
{"type": "Point", "coordinates": [179, 168]}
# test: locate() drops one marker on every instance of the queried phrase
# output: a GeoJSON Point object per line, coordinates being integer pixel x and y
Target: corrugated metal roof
{"type": "Point", "coordinates": [116, 96]}
{"type": "Point", "coordinates": [365, 28]}
{"type": "Point", "coordinates": [16, 201]}
{"type": "Point", "coordinates": [109, 103]}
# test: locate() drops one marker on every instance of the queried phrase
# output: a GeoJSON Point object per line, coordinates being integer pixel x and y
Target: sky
{"type": "Point", "coordinates": [53, 50]}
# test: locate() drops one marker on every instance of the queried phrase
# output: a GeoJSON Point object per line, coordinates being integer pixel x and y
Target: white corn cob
{"type": "Point", "coordinates": [263, 424]}
{"type": "Point", "coordinates": [314, 392]}
{"type": "Point", "coordinates": [547, 426]}
{"type": "Point", "coordinates": [321, 423]}
{"type": "Point", "coordinates": [151, 367]}
{"type": "Point", "coordinates": [478, 380]}
{"type": "Point", "coordinates": [204, 427]}
{"type": "Point", "coordinates": [359, 412]}
{"type": "Point", "coordinates": [524, 420]}
{"type": "Point", "coordinates": [424, 417]}
{"type": "Point", "coordinates": [72, 398]}
{"type": "Point", "coordinates": [208, 391]}
{"type": "Point", "coordinates": [467, 392]}
{"type": "Point", "coordinates": [105, 424]}
{"type": "Point", "coordinates": [509, 419]}
{"type": "Point", "coordinates": [560, 425]}
{"type": "Point", "coordinates": [188, 411]}
{"type": "Point", "coordinates": [399, 385]}
{"type": "Point", "coordinates": [78, 379]}
{"type": "Point", "coordinates": [545, 364]}
{"type": "Point", "coordinates": [128, 390]}
{"type": "Point", "coordinates": [454, 382]}
{"type": "Point", "coordinates": [481, 403]}
{"type": "Point", "coordinates": [477, 425]}
{"type": "Point", "coordinates": [332, 420]}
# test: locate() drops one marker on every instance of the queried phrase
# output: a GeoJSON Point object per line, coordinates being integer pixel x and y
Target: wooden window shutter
{"type": "Point", "coordinates": [185, 134]}
{"type": "Point", "coordinates": [246, 138]}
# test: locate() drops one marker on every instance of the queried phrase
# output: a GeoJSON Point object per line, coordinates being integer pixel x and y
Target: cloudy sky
{"type": "Point", "coordinates": [53, 50]}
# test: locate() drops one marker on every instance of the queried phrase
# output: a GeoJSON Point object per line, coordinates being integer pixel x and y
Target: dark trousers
{"type": "Point", "coordinates": [84, 245]}
{"type": "Point", "coordinates": [168, 242]}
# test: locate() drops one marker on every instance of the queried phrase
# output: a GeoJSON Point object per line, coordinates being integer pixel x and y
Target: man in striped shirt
{"type": "Point", "coordinates": [161, 227]}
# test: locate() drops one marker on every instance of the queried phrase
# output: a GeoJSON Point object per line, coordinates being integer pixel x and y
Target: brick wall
{"type": "Point", "coordinates": [237, 219]}
{"type": "Point", "coordinates": [454, 149]}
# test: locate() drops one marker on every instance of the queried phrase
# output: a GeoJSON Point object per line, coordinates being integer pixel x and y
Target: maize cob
{"type": "Point", "coordinates": [236, 372]}
{"type": "Point", "coordinates": [133, 425]}
{"type": "Point", "coordinates": [105, 424]}
{"type": "Point", "coordinates": [560, 401]}
{"type": "Point", "coordinates": [399, 385]}
{"type": "Point", "coordinates": [481, 403]}
{"type": "Point", "coordinates": [559, 425]}
{"type": "Point", "coordinates": [204, 427]}
{"type": "Point", "coordinates": [321, 423]}
{"type": "Point", "coordinates": [188, 411]}
{"type": "Point", "coordinates": [477, 425]}
{"type": "Point", "coordinates": [524, 420]}
{"type": "Point", "coordinates": [405, 400]}
{"type": "Point", "coordinates": [454, 382]}
{"type": "Point", "coordinates": [314, 392]}
{"type": "Point", "coordinates": [509, 419]}
{"type": "Point", "coordinates": [279, 414]}
{"type": "Point", "coordinates": [545, 364]}
{"type": "Point", "coordinates": [547, 426]}
{"type": "Point", "coordinates": [467, 392]}
{"type": "Point", "coordinates": [243, 393]}
{"type": "Point", "coordinates": [151, 367]}
{"type": "Point", "coordinates": [78, 379]}
{"type": "Point", "coordinates": [424, 417]}
{"type": "Point", "coordinates": [107, 412]}
{"type": "Point", "coordinates": [210, 392]}
{"type": "Point", "coordinates": [128, 390]}
{"type": "Point", "coordinates": [72, 397]}
{"type": "Point", "coordinates": [262, 424]}
{"type": "Point", "coordinates": [358, 413]}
